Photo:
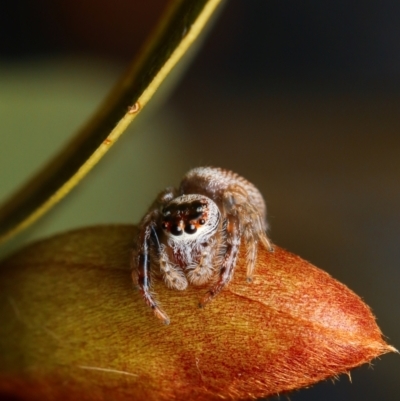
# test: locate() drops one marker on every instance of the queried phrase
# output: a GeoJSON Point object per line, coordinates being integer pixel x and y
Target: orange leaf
{"type": "Point", "coordinates": [74, 328]}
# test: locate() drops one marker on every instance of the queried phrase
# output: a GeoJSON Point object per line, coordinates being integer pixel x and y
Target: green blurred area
{"type": "Point", "coordinates": [42, 104]}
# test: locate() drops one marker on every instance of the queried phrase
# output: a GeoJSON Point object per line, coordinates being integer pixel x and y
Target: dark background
{"type": "Point", "coordinates": [300, 97]}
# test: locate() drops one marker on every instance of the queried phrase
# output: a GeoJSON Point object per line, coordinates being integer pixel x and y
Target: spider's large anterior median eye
{"type": "Point", "coordinates": [190, 229]}
{"type": "Point", "coordinates": [176, 230]}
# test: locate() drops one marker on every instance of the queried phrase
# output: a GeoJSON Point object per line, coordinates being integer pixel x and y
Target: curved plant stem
{"type": "Point", "coordinates": [178, 29]}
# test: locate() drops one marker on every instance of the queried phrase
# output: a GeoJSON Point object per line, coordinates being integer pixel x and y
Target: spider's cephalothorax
{"type": "Point", "coordinates": [192, 235]}
{"type": "Point", "coordinates": [189, 216]}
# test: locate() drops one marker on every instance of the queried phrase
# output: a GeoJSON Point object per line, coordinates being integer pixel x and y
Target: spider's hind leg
{"type": "Point", "coordinates": [253, 227]}
{"type": "Point", "coordinates": [251, 251]}
{"type": "Point", "coordinates": [253, 239]}
{"type": "Point", "coordinates": [229, 261]}
{"type": "Point", "coordinates": [262, 236]}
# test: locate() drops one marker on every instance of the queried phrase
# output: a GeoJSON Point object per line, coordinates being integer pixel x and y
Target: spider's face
{"type": "Point", "coordinates": [188, 217]}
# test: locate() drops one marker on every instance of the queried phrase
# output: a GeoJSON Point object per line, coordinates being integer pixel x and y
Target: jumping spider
{"type": "Point", "coordinates": [192, 235]}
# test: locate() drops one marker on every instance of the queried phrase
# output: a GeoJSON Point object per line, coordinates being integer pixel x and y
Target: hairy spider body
{"type": "Point", "coordinates": [192, 235]}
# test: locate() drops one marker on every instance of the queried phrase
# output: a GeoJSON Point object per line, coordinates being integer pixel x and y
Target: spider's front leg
{"type": "Point", "coordinates": [141, 271]}
{"type": "Point", "coordinates": [233, 236]}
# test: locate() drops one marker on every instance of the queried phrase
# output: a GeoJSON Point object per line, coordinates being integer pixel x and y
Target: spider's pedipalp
{"type": "Point", "coordinates": [173, 276]}
{"type": "Point", "coordinates": [201, 273]}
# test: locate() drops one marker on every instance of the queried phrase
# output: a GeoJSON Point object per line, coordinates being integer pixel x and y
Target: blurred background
{"type": "Point", "coordinates": [300, 97]}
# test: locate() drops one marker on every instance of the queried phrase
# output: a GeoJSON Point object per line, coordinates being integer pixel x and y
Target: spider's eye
{"type": "Point", "coordinates": [202, 221]}
{"type": "Point", "coordinates": [176, 230]}
{"type": "Point", "coordinates": [190, 229]}
{"type": "Point", "coordinates": [197, 206]}
{"type": "Point", "coordinates": [164, 226]}
{"type": "Point", "coordinates": [166, 212]}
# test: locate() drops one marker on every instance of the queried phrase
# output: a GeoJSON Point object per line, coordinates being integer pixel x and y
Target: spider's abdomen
{"type": "Point", "coordinates": [215, 182]}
